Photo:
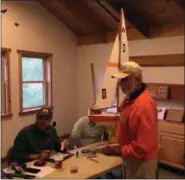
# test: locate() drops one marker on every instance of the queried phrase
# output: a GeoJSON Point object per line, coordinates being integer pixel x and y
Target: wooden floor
{"type": "Point", "coordinates": [166, 172]}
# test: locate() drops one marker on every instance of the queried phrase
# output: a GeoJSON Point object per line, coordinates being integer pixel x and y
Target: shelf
{"type": "Point", "coordinates": [167, 92]}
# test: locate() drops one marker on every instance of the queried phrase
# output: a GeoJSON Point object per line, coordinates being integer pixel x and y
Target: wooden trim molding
{"type": "Point", "coordinates": [47, 82]}
{"type": "Point", "coordinates": [7, 52]}
{"type": "Point", "coordinates": [20, 84]}
{"type": "Point", "coordinates": [33, 53]}
{"type": "Point", "coordinates": [31, 111]}
{"type": "Point", "coordinates": [159, 60]}
{"type": "Point", "coordinates": [3, 116]}
{"type": "Point", "coordinates": [4, 49]}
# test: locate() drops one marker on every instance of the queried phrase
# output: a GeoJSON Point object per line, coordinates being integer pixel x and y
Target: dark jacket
{"type": "Point", "coordinates": [32, 141]}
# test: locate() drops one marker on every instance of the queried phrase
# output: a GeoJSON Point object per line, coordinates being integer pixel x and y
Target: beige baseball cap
{"type": "Point", "coordinates": [128, 68]}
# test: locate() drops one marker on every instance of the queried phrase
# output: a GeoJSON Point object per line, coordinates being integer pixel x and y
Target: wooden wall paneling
{"type": "Point", "coordinates": [159, 60]}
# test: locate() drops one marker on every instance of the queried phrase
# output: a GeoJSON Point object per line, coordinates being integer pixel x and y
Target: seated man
{"type": "Point", "coordinates": [86, 132]}
{"type": "Point", "coordinates": [37, 140]}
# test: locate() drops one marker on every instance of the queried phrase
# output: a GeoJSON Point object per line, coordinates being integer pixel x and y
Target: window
{"type": "Point", "coordinates": [35, 80]}
{"type": "Point", "coordinates": [5, 82]}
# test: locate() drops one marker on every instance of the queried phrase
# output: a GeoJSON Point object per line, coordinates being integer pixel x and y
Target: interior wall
{"type": "Point", "coordinates": [39, 31]}
{"type": "Point", "coordinates": [99, 56]}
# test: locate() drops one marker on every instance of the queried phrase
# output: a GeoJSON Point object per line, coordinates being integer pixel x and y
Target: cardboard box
{"type": "Point", "coordinates": [159, 91]}
{"type": "Point", "coordinates": [176, 115]}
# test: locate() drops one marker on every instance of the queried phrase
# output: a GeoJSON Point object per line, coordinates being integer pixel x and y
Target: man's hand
{"type": "Point", "coordinates": [64, 144]}
{"type": "Point", "coordinates": [34, 156]}
{"type": "Point", "coordinates": [109, 150]}
{"type": "Point", "coordinates": [45, 154]}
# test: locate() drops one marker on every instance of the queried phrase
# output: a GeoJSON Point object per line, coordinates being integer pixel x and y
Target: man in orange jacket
{"type": "Point", "coordinates": [136, 131]}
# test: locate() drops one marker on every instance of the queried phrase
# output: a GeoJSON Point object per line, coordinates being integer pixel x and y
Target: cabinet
{"type": "Point", "coordinates": [171, 140]}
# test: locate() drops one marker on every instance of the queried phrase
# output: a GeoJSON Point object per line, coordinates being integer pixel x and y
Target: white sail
{"type": "Point", "coordinates": [109, 95]}
{"type": "Point", "coordinates": [124, 41]}
{"type": "Point", "coordinates": [124, 51]}
{"type": "Point", "coordinates": [106, 94]}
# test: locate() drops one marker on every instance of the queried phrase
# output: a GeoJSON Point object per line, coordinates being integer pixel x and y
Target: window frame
{"type": "Point", "coordinates": [47, 70]}
{"type": "Point", "coordinates": [8, 108]}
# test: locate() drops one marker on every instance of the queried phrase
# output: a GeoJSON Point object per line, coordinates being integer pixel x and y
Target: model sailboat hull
{"type": "Point", "coordinates": [105, 119]}
{"type": "Point", "coordinates": [110, 96]}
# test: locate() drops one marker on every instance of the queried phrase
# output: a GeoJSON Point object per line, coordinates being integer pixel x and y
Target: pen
{"type": "Point", "coordinates": [94, 160]}
{"type": "Point", "coordinates": [91, 156]}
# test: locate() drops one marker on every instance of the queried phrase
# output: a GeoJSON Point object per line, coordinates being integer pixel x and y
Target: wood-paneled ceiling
{"type": "Point", "coordinates": [96, 21]}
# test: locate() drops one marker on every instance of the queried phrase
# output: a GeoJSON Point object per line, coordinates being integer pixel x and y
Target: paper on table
{"type": "Point", "coordinates": [161, 112]}
{"type": "Point", "coordinates": [8, 171]}
{"type": "Point", "coordinates": [57, 157]}
{"type": "Point", "coordinates": [44, 171]}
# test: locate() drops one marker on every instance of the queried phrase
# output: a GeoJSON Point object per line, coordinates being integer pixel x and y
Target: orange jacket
{"type": "Point", "coordinates": [137, 129]}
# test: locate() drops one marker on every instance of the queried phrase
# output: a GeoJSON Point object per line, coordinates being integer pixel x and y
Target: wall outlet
{"type": "Point", "coordinates": [54, 123]}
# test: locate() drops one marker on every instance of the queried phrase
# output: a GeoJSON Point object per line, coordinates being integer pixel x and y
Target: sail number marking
{"type": "Point", "coordinates": [104, 94]}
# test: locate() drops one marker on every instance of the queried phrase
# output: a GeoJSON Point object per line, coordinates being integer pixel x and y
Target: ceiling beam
{"type": "Point", "coordinates": [133, 34]}
{"type": "Point", "coordinates": [136, 19]}
{"type": "Point", "coordinates": [112, 12]}
{"type": "Point", "coordinates": [157, 32]}
{"type": "Point", "coordinates": [105, 18]}
{"type": "Point", "coordinates": [167, 30]}
{"type": "Point", "coordinates": [84, 15]}
{"type": "Point", "coordinates": [180, 3]}
{"type": "Point", "coordinates": [66, 17]}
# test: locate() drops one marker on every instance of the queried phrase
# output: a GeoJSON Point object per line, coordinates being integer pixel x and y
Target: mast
{"type": "Point", "coordinates": [119, 57]}
{"type": "Point", "coordinates": [93, 83]}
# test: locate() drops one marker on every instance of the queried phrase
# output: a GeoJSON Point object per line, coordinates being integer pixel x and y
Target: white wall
{"type": "Point", "coordinates": [72, 88]}
{"type": "Point", "coordinates": [39, 31]}
{"type": "Point", "coordinates": [172, 45]}
{"type": "Point", "coordinates": [99, 55]}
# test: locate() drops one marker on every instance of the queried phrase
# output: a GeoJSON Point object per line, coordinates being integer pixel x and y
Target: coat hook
{"type": "Point", "coordinates": [3, 10]}
{"type": "Point", "coordinates": [16, 24]}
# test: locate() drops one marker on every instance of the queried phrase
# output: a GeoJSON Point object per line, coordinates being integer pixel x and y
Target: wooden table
{"type": "Point", "coordinates": [86, 167]}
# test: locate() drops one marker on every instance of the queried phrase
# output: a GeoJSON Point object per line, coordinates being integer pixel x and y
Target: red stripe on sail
{"type": "Point", "coordinates": [113, 65]}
